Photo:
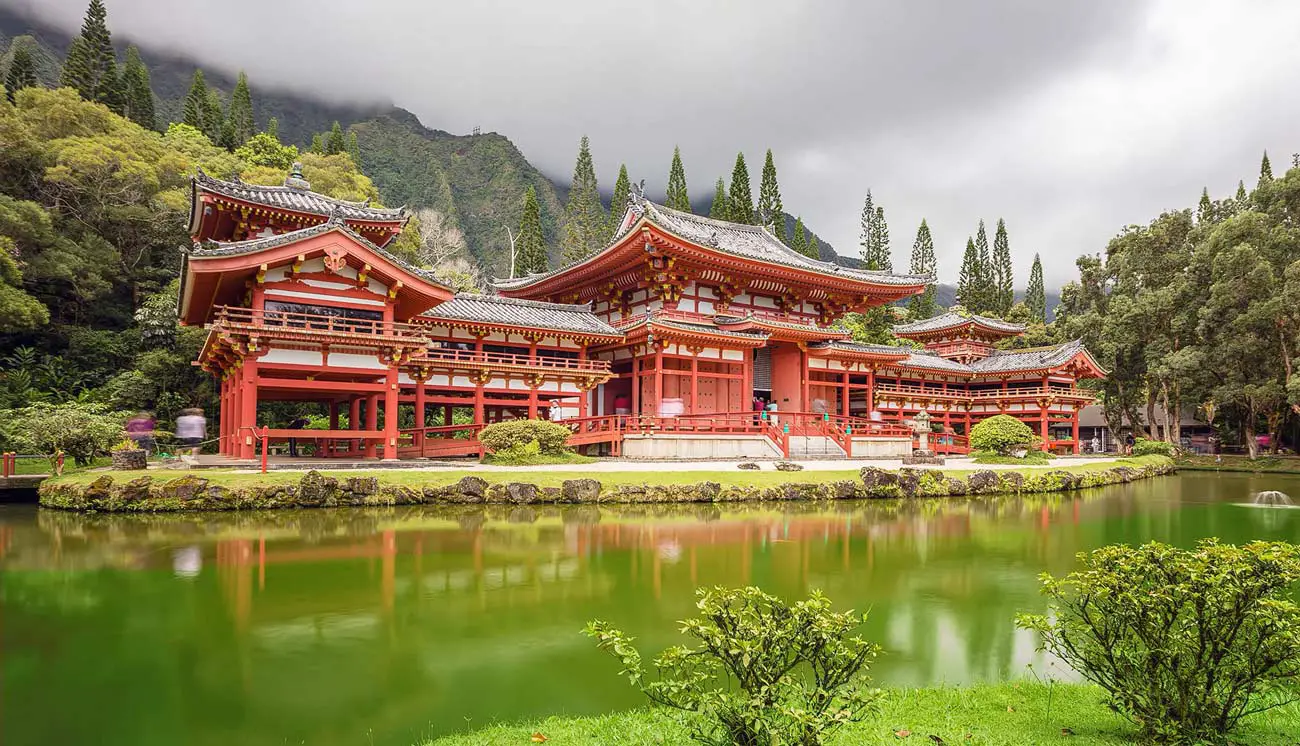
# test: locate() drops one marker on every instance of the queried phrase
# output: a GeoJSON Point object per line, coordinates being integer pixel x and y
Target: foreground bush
{"type": "Point", "coordinates": [517, 434]}
{"type": "Point", "coordinates": [763, 672]}
{"type": "Point", "coordinates": [1001, 434]}
{"type": "Point", "coordinates": [1144, 447]}
{"type": "Point", "coordinates": [80, 431]}
{"type": "Point", "coordinates": [1186, 642]}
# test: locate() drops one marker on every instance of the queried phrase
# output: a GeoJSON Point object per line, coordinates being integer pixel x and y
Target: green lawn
{"type": "Point", "coordinates": [1267, 464]}
{"type": "Point", "coordinates": [1014, 714]}
{"type": "Point", "coordinates": [545, 478]}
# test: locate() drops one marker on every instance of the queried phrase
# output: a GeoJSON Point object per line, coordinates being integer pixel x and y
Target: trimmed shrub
{"type": "Point", "coordinates": [1185, 642]}
{"type": "Point", "coordinates": [764, 672]}
{"type": "Point", "coordinates": [1001, 434]}
{"type": "Point", "coordinates": [550, 436]}
{"type": "Point", "coordinates": [1144, 447]}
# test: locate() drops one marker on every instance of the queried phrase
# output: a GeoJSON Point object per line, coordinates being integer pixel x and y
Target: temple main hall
{"type": "Point", "coordinates": [684, 337]}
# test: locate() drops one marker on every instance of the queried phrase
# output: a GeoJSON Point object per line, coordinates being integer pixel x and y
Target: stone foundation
{"type": "Point", "coordinates": [315, 490]}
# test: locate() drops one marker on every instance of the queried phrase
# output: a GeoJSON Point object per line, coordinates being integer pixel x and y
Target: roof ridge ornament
{"type": "Point", "coordinates": [636, 201]}
{"type": "Point", "coordinates": [295, 179]}
{"type": "Point", "coordinates": [336, 216]}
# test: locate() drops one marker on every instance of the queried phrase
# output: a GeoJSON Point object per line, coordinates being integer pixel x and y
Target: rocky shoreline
{"type": "Point", "coordinates": [192, 492]}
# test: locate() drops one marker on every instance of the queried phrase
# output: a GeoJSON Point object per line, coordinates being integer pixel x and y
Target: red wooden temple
{"type": "Point", "coordinates": [661, 345]}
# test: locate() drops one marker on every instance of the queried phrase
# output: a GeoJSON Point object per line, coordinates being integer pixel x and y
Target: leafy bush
{"type": "Point", "coordinates": [1032, 457]}
{"type": "Point", "coordinates": [81, 431]}
{"type": "Point", "coordinates": [550, 436]}
{"type": "Point", "coordinates": [1186, 642]}
{"type": "Point", "coordinates": [1144, 447]}
{"type": "Point", "coordinates": [1001, 434]}
{"type": "Point", "coordinates": [764, 672]}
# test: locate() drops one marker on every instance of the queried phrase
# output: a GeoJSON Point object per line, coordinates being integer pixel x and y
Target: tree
{"type": "Point", "coordinates": [91, 65]}
{"type": "Point", "coordinates": [618, 204]}
{"type": "Point", "coordinates": [335, 142]}
{"type": "Point", "coordinates": [354, 147]}
{"type": "Point", "coordinates": [1265, 171]}
{"type": "Point", "coordinates": [264, 150]}
{"type": "Point", "coordinates": [22, 71]}
{"type": "Point", "coordinates": [584, 217]}
{"type": "Point", "coordinates": [273, 128]}
{"type": "Point", "coordinates": [196, 102]}
{"type": "Point", "coordinates": [1003, 282]}
{"type": "Point", "coordinates": [923, 263]}
{"type": "Point", "coordinates": [139, 94]}
{"type": "Point", "coordinates": [811, 245]}
{"type": "Point", "coordinates": [740, 203]}
{"type": "Point", "coordinates": [213, 118]}
{"type": "Point", "coordinates": [720, 209]}
{"type": "Point", "coordinates": [440, 239]}
{"type": "Point", "coordinates": [770, 210]}
{"type": "Point", "coordinates": [530, 246]}
{"type": "Point", "coordinates": [799, 242]}
{"type": "Point", "coordinates": [1241, 195]}
{"type": "Point", "coordinates": [1035, 294]}
{"type": "Point", "coordinates": [677, 198]}
{"type": "Point", "coordinates": [866, 221]}
{"type": "Point", "coordinates": [317, 144]}
{"type": "Point", "coordinates": [1205, 208]}
{"type": "Point", "coordinates": [985, 282]}
{"type": "Point", "coordinates": [968, 279]}
{"type": "Point", "coordinates": [879, 243]}
{"type": "Point", "coordinates": [241, 111]}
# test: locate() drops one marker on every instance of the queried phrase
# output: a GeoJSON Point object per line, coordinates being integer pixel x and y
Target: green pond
{"type": "Point", "coordinates": [387, 626]}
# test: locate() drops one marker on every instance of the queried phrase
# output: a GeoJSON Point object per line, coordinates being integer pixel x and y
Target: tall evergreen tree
{"type": "Point", "coordinates": [335, 142]}
{"type": "Point", "coordinates": [812, 246]}
{"type": "Point", "coordinates": [677, 199]}
{"type": "Point", "coordinates": [273, 128]}
{"type": "Point", "coordinates": [227, 138]}
{"type": "Point", "coordinates": [799, 241]}
{"type": "Point", "coordinates": [585, 229]}
{"type": "Point", "coordinates": [317, 144]}
{"type": "Point", "coordinates": [354, 148]}
{"type": "Point", "coordinates": [1004, 282]}
{"type": "Point", "coordinates": [214, 119]}
{"type": "Point", "coordinates": [984, 287]}
{"type": "Point", "coordinates": [878, 243]}
{"type": "Point", "coordinates": [22, 71]}
{"type": "Point", "coordinates": [740, 202]}
{"type": "Point", "coordinates": [530, 246]}
{"type": "Point", "coordinates": [618, 205]}
{"type": "Point", "coordinates": [1035, 294]}
{"type": "Point", "coordinates": [196, 102]}
{"type": "Point", "coordinates": [1265, 170]}
{"type": "Point", "coordinates": [720, 210]}
{"type": "Point", "coordinates": [770, 209]}
{"type": "Point", "coordinates": [923, 262]}
{"type": "Point", "coordinates": [241, 111]}
{"type": "Point", "coordinates": [1241, 195]}
{"type": "Point", "coordinates": [139, 93]}
{"type": "Point", "coordinates": [91, 65]}
{"type": "Point", "coordinates": [1205, 208]}
{"type": "Point", "coordinates": [867, 220]}
{"type": "Point", "coordinates": [968, 279]}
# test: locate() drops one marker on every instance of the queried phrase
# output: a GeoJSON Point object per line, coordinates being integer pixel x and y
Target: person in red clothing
{"type": "Point", "coordinates": [140, 429]}
{"type": "Point", "coordinates": [622, 405]}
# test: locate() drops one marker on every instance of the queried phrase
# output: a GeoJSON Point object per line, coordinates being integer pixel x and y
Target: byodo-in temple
{"type": "Point", "coordinates": [685, 337]}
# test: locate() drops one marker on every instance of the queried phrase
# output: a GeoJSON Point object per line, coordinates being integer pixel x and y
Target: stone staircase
{"type": "Point", "coordinates": [817, 447]}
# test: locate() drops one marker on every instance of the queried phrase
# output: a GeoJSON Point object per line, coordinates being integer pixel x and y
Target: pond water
{"type": "Point", "coordinates": [387, 626]}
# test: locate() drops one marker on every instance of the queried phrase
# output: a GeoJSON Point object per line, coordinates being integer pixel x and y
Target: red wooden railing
{"type": "Point", "coordinates": [474, 358]}
{"type": "Point", "coordinates": [915, 390]}
{"type": "Point", "coordinates": [251, 318]}
{"type": "Point", "coordinates": [946, 444]}
{"type": "Point", "coordinates": [441, 441]}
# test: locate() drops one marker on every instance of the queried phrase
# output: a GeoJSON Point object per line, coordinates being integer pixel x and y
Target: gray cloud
{"type": "Point", "coordinates": [1069, 119]}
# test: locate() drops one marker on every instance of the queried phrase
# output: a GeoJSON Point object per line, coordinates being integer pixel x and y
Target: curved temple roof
{"type": "Point", "coordinates": [502, 311]}
{"type": "Point", "coordinates": [296, 199]}
{"type": "Point", "coordinates": [1001, 361]}
{"type": "Point", "coordinates": [955, 320]}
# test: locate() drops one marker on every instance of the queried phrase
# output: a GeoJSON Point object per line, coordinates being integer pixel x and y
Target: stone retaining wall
{"type": "Point", "coordinates": [315, 490]}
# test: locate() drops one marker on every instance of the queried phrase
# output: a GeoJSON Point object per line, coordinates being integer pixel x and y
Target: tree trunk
{"type": "Point", "coordinates": [1152, 431]}
{"type": "Point", "coordinates": [1176, 401]}
{"type": "Point", "coordinates": [1248, 429]}
{"type": "Point", "coordinates": [1170, 418]}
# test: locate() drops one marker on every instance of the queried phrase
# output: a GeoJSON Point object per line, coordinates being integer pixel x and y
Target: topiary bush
{"type": "Point", "coordinates": [1001, 434]}
{"type": "Point", "coordinates": [763, 672]}
{"type": "Point", "coordinates": [1185, 642]}
{"type": "Point", "coordinates": [502, 436]}
{"type": "Point", "coordinates": [1144, 447]}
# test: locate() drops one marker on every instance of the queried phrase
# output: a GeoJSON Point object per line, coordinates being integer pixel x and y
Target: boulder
{"type": "Point", "coordinates": [878, 483]}
{"type": "Point", "coordinates": [707, 491]}
{"type": "Point", "coordinates": [362, 486]}
{"type": "Point", "coordinates": [788, 466]}
{"type": "Point", "coordinates": [956, 487]}
{"type": "Point", "coordinates": [983, 482]}
{"type": "Point", "coordinates": [317, 489]}
{"type": "Point", "coordinates": [552, 494]}
{"type": "Point", "coordinates": [100, 489]}
{"type": "Point", "coordinates": [748, 465]}
{"type": "Point", "coordinates": [909, 481]}
{"type": "Point", "coordinates": [137, 489]}
{"type": "Point", "coordinates": [1013, 482]}
{"type": "Point", "coordinates": [521, 492]}
{"type": "Point", "coordinates": [473, 489]}
{"type": "Point", "coordinates": [845, 489]}
{"type": "Point", "coordinates": [580, 490]}
{"type": "Point", "coordinates": [186, 488]}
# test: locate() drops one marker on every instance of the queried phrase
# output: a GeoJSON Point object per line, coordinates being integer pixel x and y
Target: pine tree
{"type": "Point", "coordinates": [317, 144]}
{"type": "Point", "coordinates": [677, 199]}
{"type": "Point", "coordinates": [22, 71]}
{"type": "Point", "coordinates": [1265, 171]}
{"type": "Point", "coordinates": [867, 220]}
{"type": "Point", "coordinates": [530, 246]}
{"type": "Point", "coordinates": [982, 301]}
{"type": "Point", "coordinates": [1035, 295]}
{"type": "Point", "coordinates": [878, 243]}
{"type": "Point", "coordinates": [273, 128]}
{"type": "Point", "coordinates": [923, 263]}
{"type": "Point", "coordinates": [740, 202]}
{"type": "Point", "coordinates": [139, 93]}
{"type": "Point", "coordinates": [214, 120]}
{"type": "Point", "coordinates": [1205, 209]}
{"type": "Point", "coordinates": [812, 246]}
{"type": "Point", "coordinates": [354, 148]}
{"type": "Point", "coordinates": [241, 111]}
{"type": "Point", "coordinates": [196, 102]}
{"type": "Point", "coordinates": [335, 143]}
{"type": "Point", "coordinates": [113, 90]}
{"type": "Point", "coordinates": [1241, 192]}
{"type": "Point", "coordinates": [968, 278]}
{"type": "Point", "coordinates": [228, 139]}
{"type": "Point", "coordinates": [799, 242]}
{"type": "Point", "coordinates": [770, 209]}
{"type": "Point", "coordinates": [1004, 283]}
{"type": "Point", "coordinates": [618, 205]}
{"type": "Point", "coordinates": [584, 219]}
{"type": "Point", "coordinates": [91, 65]}
{"type": "Point", "coordinates": [76, 72]}
{"type": "Point", "coordinates": [720, 210]}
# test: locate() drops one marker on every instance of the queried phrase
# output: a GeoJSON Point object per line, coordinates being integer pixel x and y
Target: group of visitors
{"type": "Point", "coordinates": [191, 428]}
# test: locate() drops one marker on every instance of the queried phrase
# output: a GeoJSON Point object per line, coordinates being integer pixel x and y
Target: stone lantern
{"type": "Point", "coordinates": [922, 454]}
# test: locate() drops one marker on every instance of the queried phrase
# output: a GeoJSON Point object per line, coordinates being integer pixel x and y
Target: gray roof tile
{"type": "Point", "coordinates": [1032, 359]}
{"type": "Point", "coordinates": [297, 200]}
{"type": "Point", "coordinates": [495, 309]}
{"type": "Point", "coordinates": [954, 319]}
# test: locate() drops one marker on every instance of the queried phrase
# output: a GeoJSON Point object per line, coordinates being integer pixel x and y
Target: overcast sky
{"type": "Point", "coordinates": [1068, 119]}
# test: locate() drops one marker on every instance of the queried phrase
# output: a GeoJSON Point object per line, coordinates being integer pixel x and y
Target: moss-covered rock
{"type": "Point", "coordinates": [878, 483]}
{"type": "Point", "coordinates": [983, 482]}
{"type": "Point", "coordinates": [580, 490]}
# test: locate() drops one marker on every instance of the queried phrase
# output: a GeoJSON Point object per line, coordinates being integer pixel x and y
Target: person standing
{"type": "Point", "coordinates": [140, 430]}
{"type": "Point", "coordinates": [555, 414]}
{"type": "Point", "coordinates": [297, 424]}
{"type": "Point", "coordinates": [191, 428]}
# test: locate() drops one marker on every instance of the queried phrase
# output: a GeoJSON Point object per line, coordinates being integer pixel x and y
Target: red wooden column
{"type": "Point", "coordinates": [1042, 415]}
{"type": "Point", "coordinates": [479, 413]}
{"type": "Point", "coordinates": [583, 388]}
{"type": "Point", "coordinates": [372, 422]}
{"type": "Point", "coordinates": [1074, 429]}
{"type": "Point", "coordinates": [446, 414]}
{"type": "Point", "coordinates": [659, 382]}
{"type": "Point", "coordinates": [871, 390]}
{"type": "Point", "coordinates": [532, 402]}
{"type": "Point", "coordinates": [390, 415]}
{"type": "Point", "coordinates": [805, 375]}
{"type": "Point", "coordinates": [844, 392]}
{"type": "Point", "coordinates": [636, 385]}
{"type": "Point", "coordinates": [248, 407]}
{"type": "Point", "coordinates": [334, 425]}
{"type": "Point", "coordinates": [695, 383]}
{"type": "Point", "coordinates": [418, 435]}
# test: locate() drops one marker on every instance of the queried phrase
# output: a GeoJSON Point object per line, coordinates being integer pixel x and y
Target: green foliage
{"type": "Point", "coordinates": [1032, 457]}
{"type": "Point", "coordinates": [740, 201]}
{"type": "Point", "coordinates": [139, 102]}
{"type": "Point", "coordinates": [335, 142]}
{"type": "Point", "coordinates": [770, 210]}
{"type": "Point", "coordinates": [530, 454]}
{"type": "Point", "coordinates": [214, 119]}
{"type": "Point", "coordinates": [317, 144]}
{"type": "Point", "coordinates": [968, 278]}
{"type": "Point", "coordinates": [1144, 447]}
{"type": "Point", "coordinates": [19, 311]}
{"type": "Point", "coordinates": [263, 149]}
{"type": "Point", "coordinates": [1035, 294]}
{"type": "Point", "coordinates": [924, 263]}
{"type": "Point", "coordinates": [81, 431]}
{"type": "Point", "coordinates": [1001, 434]}
{"type": "Point", "coordinates": [799, 241]}
{"type": "Point", "coordinates": [1004, 294]}
{"type": "Point", "coordinates": [240, 117]}
{"type": "Point", "coordinates": [1265, 171]}
{"type": "Point", "coordinates": [549, 436]}
{"type": "Point", "coordinates": [763, 672]}
{"type": "Point", "coordinates": [584, 217]}
{"type": "Point", "coordinates": [720, 209]}
{"type": "Point", "coordinates": [1185, 642]}
{"type": "Point", "coordinates": [22, 70]}
{"type": "Point", "coordinates": [91, 65]}
{"type": "Point", "coordinates": [530, 247]}
{"type": "Point", "coordinates": [618, 204]}
{"type": "Point", "coordinates": [678, 198]}
{"type": "Point", "coordinates": [195, 102]}
{"type": "Point", "coordinates": [985, 289]}
{"type": "Point", "coordinates": [875, 326]}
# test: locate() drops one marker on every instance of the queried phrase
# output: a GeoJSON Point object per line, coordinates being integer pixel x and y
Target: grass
{"type": "Point", "coordinates": [1010, 714]}
{"type": "Point", "coordinates": [1032, 458]}
{"type": "Point", "coordinates": [42, 466]}
{"type": "Point", "coordinates": [1263, 464]}
{"type": "Point", "coordinates": [437, 477]}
